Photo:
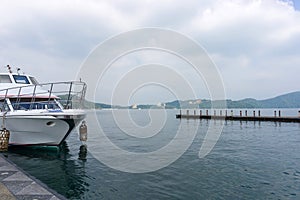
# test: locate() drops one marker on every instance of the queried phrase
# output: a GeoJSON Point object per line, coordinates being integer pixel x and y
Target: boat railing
{"type": "Point", "coordinates": [58, 95]}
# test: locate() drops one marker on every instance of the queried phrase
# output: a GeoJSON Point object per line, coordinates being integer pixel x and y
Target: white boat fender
{"type": "Point", "coordinates": [83, 131]}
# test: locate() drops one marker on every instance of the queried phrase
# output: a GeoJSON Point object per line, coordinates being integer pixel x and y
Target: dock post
{"type": "Point", "coordinates": [259, 113]}
{"type": "Point", "coordinates": [214, 112]}
{"type": "Point", "coordinates": [200, 113]}
{"type": "Point", "coordinates": [206, 112]}
{"type": "Point", "coordinates": [194, 112]}
{"type": "Point", "coordinates": [240, 113]}
{"type": "Point", "coordinates": [225, 113]}
{"type": "Point", "coordinates": [231, 113]}
{"type": "Point", "coordinates": [253, 113]}
{"type": "Point", "coordinates": [274, 113]}
{"type": "Point", "coordinates": [279, 113]}
{"type": "Point", "coordinates": [180, 112]}
{"type": "Point", "coordinates": [220, 112]}
{"type": "Point", "coordinates": [187, 112]}
{"type": "Point", "coordinates": [246, 112]}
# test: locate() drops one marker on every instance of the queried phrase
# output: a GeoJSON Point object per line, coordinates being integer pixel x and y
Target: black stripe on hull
{"type": "Point", "coordinates": [71, 124]}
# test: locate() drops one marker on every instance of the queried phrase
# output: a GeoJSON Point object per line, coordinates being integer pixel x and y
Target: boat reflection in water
{"type": "Point", "coordinates": [67, 170]}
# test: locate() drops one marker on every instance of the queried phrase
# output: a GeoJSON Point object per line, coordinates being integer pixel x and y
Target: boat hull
{"type": "Point", "coordinates": [49, 129]}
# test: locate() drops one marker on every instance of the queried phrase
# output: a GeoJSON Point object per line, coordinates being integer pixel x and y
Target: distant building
{"type": "Point", "coordinates": [198, 101]}
{"type": "Point", "coordinates": [195, 102]}
{"type": "Point", "coordinates": [159, 104]}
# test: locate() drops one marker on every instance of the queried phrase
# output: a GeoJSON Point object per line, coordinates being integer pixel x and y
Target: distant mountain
{"type": "Point", "coordinates": [290, 100]}
{"type": "Point", "coordinates": [90, 105]}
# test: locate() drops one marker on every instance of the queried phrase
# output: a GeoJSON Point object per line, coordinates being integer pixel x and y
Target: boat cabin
{"type": "Point", "coordinates": [21, 92]}
{"type": "Point", "coordinates": [15, 79]}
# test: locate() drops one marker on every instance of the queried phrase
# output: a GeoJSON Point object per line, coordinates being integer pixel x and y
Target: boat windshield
{"type": "Point", "coordinates": [33, 80]}
{"type": "Point", "coordinates": [5, 79]}
{"type": "Point", "coordinates": [21, 79]}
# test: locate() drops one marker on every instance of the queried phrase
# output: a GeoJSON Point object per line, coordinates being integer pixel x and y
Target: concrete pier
{"type": "Point", "coordinates": [15, 184]}
{"type": "Point", "coordinates": [246, 117]}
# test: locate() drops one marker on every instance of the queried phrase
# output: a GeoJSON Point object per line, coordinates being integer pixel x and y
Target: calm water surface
{"type": "Point", "coordinates": [251, 160]}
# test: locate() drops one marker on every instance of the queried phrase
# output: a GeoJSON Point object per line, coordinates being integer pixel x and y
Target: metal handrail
{"type": "Point", "coordinates": [43, 84]}
{"type": "Point", "coordinates": [33, 97]}
{"type": "Point", "coordinates": [75, 95]}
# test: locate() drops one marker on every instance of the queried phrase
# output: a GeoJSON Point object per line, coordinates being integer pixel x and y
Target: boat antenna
{"type": "Point", "coordinates": [9, 69]}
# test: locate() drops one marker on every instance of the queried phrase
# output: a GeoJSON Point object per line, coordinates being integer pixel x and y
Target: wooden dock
{"type": "Point", "coordinates": [275, 118]}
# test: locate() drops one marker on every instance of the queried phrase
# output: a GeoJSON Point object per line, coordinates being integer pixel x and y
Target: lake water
{"type": "Point", "coordinates": [251, 160]}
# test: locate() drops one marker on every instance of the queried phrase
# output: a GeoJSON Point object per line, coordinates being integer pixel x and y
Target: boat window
{"type": "Point", "coordinates": [5, 79]}
{"type": "Point", "coordinates": [4, 106]}
{"type": "Point", "coordinates": [33, 80]}
{"type": "Point", "coordinates": [29, 104]}
{"type": "Point", "coordinates": [21, 79]}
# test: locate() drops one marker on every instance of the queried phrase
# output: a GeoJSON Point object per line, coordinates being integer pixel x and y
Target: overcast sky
{"type": "Point", "coordinates": [254, 43]}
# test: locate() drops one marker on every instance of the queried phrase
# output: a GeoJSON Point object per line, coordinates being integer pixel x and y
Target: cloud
{"type": "Point", "coordinates": [249, 38]}
{"type": "Point", "coordinates": [251, 41]}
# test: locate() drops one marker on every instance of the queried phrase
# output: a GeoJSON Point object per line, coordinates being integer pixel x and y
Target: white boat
{"type": "Point", "coordinates": [39, 114]}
